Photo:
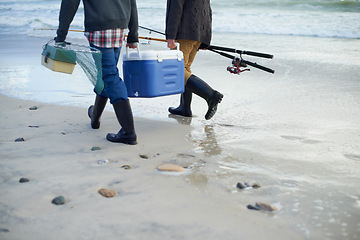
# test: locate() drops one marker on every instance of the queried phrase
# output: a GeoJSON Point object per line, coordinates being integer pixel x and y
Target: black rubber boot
{"type": "Point", "coordinates": [184, 108]}
{"type": "Point", "coordinates": [124, 115]}
{"type": "Point", "coordinates": [95, 111]}
{"type": "Point", "coordinates": [201, 88]}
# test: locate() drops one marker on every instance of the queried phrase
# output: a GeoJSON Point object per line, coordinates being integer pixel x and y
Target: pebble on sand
{"type": "Point", "coordinates": [171, 168]}
{"type": "Point", "coordinates": [95, 148]}
{"type": "Point", "coordinates": [107, 192]}
{"type": "Point", "coordinates": [33, 108]}
{"type": "Point", "coordinates": [144, 156]}
{"type": "Point", "coordinates": [126, 167]}
{"type": "Point", "coordinates": [60, 200]}
{"type": "Point", "coordinates": [23, 180]}
{"type": "Point", "coordinates": [240, 185]}
{"type": "Point", "coordinates": [19, 140]}
{"type": "Point", "coordinates": [246, 185]}
{"type": "Point", "coordinates": [262, 206]}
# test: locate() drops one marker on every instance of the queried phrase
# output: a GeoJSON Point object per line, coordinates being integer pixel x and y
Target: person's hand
{"type": "Point", "coordinates": [131, 45]}
{"type": "Point", "coordinates": [171, 43]}
{"type": "Point", "coordinates": [59, 39]}
{"type": "Point", "coordinates": [61, 44]}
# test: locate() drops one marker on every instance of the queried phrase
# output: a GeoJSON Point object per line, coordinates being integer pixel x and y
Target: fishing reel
{"type": "Point", "coordinates": [237, 63]}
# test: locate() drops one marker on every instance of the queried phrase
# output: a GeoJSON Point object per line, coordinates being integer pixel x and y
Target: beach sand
{"type": "Point", "coordinates": [295, 133]}
{"type": "Point", "coordinates": [57, 159]}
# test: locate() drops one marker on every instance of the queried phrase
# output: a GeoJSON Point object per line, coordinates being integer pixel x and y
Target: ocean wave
{"type": "Point", "coordinates": [291, 5]}
{"type": "Point", "coordinates": [332, 18]}
{"type": "Point", "coordinates": [284, 23]}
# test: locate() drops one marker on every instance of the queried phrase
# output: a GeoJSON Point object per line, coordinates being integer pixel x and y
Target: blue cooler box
{"type": "Point", "coordinates": [153, 73]}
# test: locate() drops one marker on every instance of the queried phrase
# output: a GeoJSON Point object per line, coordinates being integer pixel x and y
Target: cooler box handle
{"type": "Point", "coordinates": [138, 52]}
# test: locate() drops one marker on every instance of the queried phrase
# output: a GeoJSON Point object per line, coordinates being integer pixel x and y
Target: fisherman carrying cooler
{"type": "Point", "coordinates": [105, 24]}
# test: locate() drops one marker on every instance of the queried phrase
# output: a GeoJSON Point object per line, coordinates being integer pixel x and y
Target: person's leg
{"type": "Point", "coordinates": [189, 49]}
{"type": "Point", "coordinates": [124, 115]}
{"type": "Point", "coordinates": [115, 90]}
{"type": "Point", "coordinates": [195, 84]}
{"type": "Point", "coordinates": [202, 89]}
{"type": "Point", "coordinates": [199, 87]}
{"type": "Point", "coordinates": [184, 109]}
{"type": "Point", "coordinates": [114, 86]}
{"type": "Point", "coordinates": [95, 111]}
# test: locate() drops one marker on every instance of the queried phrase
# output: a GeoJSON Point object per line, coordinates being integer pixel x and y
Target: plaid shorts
{"type": "Point", "coordinates": [109, 38]}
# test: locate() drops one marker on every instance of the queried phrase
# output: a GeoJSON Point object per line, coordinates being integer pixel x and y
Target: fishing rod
{"type": "Point", "coordinates": [73, 30]}
{"type": "Point", "coordinates": [225, 49]}
{"type": "Point", "coordinates": [54, 29]}
{"type": "Point", "coordinates": [151, 30]}
{"type": "Point", "coordinates": [237, 62]}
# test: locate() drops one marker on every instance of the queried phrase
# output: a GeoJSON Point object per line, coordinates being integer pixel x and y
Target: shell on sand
{"type": "Point", "coordinates": [171, 168]}
{"type": "Point", "coordinates": [107, 192]}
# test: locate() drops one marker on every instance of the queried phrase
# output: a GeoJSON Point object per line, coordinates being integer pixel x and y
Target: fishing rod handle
{"type": "Point", "coordinates": [258, 66]}
{"type": "Point", "coordinates": [257, 54]}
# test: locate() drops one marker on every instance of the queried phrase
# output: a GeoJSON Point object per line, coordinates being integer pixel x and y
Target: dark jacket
{"type": "Point", "coordinates": [189, 20]}
{"type": "Point", "coordinates": [100, 15]}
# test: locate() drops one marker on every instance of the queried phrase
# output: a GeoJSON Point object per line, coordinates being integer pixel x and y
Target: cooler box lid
{"type": "Point", "coordinates": [158, 55]}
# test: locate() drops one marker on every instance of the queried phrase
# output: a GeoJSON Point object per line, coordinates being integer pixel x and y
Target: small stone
{"type": "Point", "coordinates": [4, 230]}
{"type": "Point", "coordinates": [255, 185]}
{"type": "Point", "coordinates": [251, 207]}
{"type": "Point", "coordinates": [185, 155]}
{"type": "Point", "coordinates": [265, 206]}
{"type": "Point", "coordinates": [144, 156]}
{"type": "Point", "coordinates": [60, 200]}
{"type": "Point", "coordinates": [95, 148]}
{"type": "Point", "coordinates": [126, 167]}
{"type": "Point", "coordinates": [171, 168]}
{"type": "Point", "coordinates": [19, 140]}
{"type": "Point", "coordinates": [240, 185]}
{"type": "Point", "coordinates": [33, 108]}
{"type": "Point", "coordinates": [33, 126]}
{"type": "Point", "coordinates": [107, 192]}
{"type": "Point", "coordinates": [24, 180]}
